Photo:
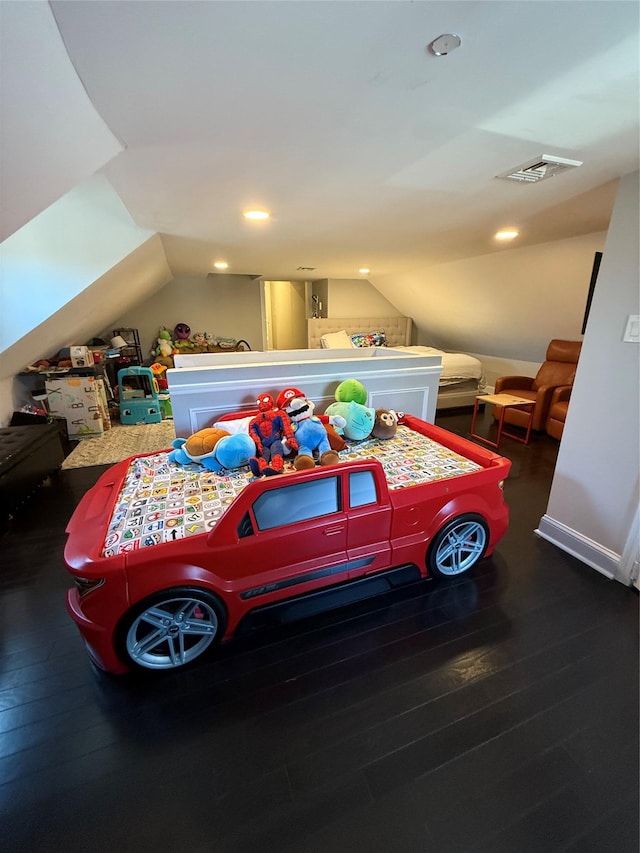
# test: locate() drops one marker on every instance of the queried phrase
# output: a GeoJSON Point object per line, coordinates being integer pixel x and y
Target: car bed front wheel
{"type": "Point", "coordinates": [171, 628]}
{"type": "Point", "coordinates": [458, 546]}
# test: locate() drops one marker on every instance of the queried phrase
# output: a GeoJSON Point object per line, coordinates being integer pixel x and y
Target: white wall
{"type": "Point", "coordinates": [227, 306]}
{"type": "Point", "coordinates": [594, 496]}
{"type": "Point", "coordinates": [51, 137]}
{"type": "Point", "coordinates": [509, 304]}
{"type": "Point", "coordinates": [62, 251]}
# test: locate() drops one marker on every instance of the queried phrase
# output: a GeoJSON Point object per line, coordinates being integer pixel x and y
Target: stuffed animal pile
{"type": "Point", "coordinates": [361, 421]}
{"type": "Point", "coordinates": [287, 428]}
{"type": "Point", "coordinates": [181, 340]}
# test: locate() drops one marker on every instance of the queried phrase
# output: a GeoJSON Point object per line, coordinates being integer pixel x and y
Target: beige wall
{"type": "Point", "coordinates": [227, 306]}
{"type": "Point", "coordinates": [506, 306]}
{"type": "Point", "coordinates": [288, 314]}
{"type": "Point", "coordinates": [509, 304]}
{"type": "Point", "coordinates": [350, 297]}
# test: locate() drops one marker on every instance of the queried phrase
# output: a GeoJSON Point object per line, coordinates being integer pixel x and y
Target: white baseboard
{"type": "Point", "coordinates": [584, 549]}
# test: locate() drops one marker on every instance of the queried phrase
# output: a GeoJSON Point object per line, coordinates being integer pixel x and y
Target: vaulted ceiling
{"type": "Point", "coordinates": [367, 148]}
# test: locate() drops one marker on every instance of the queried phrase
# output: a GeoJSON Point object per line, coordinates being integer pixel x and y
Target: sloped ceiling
{"type": "Point", "coordinates": [367, 149]}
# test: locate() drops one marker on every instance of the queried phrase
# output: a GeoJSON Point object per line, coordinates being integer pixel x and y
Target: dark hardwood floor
{"type": "Point", "coordinates": [496, 713]}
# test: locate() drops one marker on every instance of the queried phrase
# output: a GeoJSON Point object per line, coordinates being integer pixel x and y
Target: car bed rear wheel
{"type": "Point", "coordinates": [171, 628]}
{"type": "Point", "coordinates": [458, 546]}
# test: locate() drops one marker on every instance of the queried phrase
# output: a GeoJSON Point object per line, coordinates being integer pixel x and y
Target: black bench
{"type": "Point", "coordinates": [28, 455]}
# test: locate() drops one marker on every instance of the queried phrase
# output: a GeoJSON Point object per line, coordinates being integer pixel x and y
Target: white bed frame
{"type": "Point", "coordinates": [398, 331]}
{"type": "Point", "coordinates": [205, 386]}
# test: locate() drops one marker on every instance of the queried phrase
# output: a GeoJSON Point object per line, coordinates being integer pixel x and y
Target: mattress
{"type": "Point", "coordinates": [456, 366]}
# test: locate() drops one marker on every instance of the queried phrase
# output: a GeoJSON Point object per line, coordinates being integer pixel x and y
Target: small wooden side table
{"type": "Point", "coordinates": [504, 402]}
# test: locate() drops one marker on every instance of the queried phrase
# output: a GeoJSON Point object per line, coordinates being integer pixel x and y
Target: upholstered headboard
{"type": "Point", "coordinates": [397, 329]}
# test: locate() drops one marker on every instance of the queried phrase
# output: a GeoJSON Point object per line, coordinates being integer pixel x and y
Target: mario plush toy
{"type": "Point", "coordinates": [310, 434]}
{"type": "Point", "coordinates": [269, 427]}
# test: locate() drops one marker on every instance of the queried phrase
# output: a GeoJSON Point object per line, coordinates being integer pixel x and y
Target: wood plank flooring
{"type": "Point", "coordinates": [495, 713]}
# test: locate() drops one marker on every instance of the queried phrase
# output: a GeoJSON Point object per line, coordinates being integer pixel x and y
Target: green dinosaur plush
{"type": "Point", "coordinates": [359, 419]}
{"type": "Point", "coordinates": [351, 390]}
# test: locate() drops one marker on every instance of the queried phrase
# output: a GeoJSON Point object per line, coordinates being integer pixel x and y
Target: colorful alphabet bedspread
{"type": "Point", "coordinates": [161, 501]}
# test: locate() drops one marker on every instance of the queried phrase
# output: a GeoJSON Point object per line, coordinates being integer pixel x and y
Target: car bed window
{"type": "Point", "coordinates": [362, 488]}
{"type": "Point", "coordinates": [298, 502]}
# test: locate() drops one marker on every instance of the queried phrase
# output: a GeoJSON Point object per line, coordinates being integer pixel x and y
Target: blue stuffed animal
{"type": "Point", "coordinates": [311, 435]}
{"type": "Point", "coordinates": [234, 451]}
{"type": "Point", "coordinates": [214, 449]}
{"type": "Point", "coordinates": [199, 448]}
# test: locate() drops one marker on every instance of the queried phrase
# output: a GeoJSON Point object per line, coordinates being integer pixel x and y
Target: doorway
{"type": "Point", "coordinates": [286, 312]}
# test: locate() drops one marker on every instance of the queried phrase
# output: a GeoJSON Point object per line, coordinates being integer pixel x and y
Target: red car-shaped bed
{"type": "Point", "coordinates": [169, 560]}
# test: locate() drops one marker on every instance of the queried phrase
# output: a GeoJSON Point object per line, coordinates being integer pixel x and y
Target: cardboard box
{"type": "Point", "coordinates": [82, 402]}
{"type": "Point", "coordinates": [81, 356]}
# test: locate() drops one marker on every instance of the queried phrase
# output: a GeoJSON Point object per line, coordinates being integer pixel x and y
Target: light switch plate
{"type": "Point", "coordinates": [632, 332]}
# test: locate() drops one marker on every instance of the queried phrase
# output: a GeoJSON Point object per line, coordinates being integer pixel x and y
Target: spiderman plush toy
{"type": "Point", "coordinates": [267, 429]}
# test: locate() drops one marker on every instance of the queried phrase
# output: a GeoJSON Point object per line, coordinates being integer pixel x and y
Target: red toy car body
{"type": "Point", "coordinates": [279, 548]}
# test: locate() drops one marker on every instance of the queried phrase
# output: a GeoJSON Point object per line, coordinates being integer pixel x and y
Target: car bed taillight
{"type": "Point", "coordinates": [85, 585]}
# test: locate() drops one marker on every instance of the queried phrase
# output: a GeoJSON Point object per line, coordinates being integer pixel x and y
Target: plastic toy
{"type": "Point", "coordinates": [138, 396]}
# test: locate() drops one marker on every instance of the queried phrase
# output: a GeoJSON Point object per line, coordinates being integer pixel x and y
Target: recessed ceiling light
{"type": "Point", "coordinates": [364, 270]}
{"type": "Point", "coordinates": [506, 234]}
{"type": "Point", "coordinates": [256, 214]}
{"type": "Point", "coordinates": [221, 265]}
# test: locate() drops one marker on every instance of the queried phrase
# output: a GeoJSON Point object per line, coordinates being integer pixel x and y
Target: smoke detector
{"type": "Point", "coordinates": [444, 44]}
{"type": "Point", "coordinates": [545, 166]}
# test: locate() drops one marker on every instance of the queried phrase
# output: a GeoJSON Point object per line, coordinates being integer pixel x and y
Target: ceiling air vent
{"type": "Point", "coordinates": [545, 166]}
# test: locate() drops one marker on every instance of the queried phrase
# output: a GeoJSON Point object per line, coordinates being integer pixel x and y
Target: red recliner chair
{"type": "Point", "coordinates": [559, 368]}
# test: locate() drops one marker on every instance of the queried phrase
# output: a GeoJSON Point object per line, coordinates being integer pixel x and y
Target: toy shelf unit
{"type": "Point", "coordinates": [138, 396]}
{"type": "Point", "coordinates": [133, 350]}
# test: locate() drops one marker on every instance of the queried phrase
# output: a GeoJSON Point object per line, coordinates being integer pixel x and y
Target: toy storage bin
{"type": "Point", "coordinates": [82, 402]}
{"type": "Point", "coordinates": [138, 396]}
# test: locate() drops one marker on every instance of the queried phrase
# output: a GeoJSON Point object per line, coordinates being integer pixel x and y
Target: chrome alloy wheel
{"type": "Point", "coordinates": [459, 546]}
{"type": "Point", "coordinates": [172, 632]}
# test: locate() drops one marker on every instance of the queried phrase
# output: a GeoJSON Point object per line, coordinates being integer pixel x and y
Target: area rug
{"type": "Point", "coordinates": [119, 443]}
